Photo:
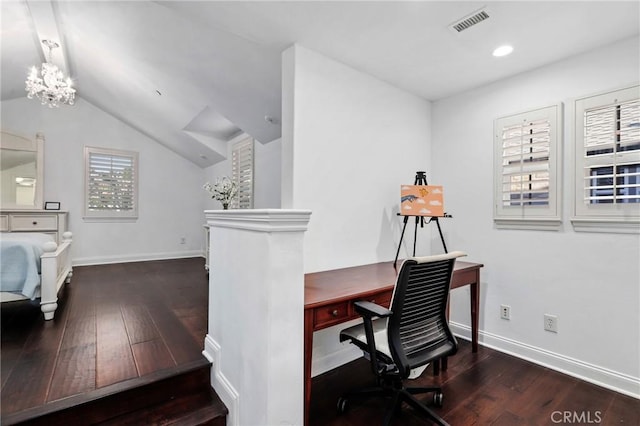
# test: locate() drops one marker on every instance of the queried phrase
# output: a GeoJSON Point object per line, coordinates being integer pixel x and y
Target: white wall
{"type": "Point", "coordinates": [170, 205]}
{"type": "Point", "coordinates": [267, 174]}
{"type": "Point", "coordinates": [349, 141]}
{"type": "Point", "coordinates": [266, 171]}
{"type": "Point", "coordinates": [589, 280]}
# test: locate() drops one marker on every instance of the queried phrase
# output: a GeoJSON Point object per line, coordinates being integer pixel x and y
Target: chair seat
{"type": "Point", "coordinates": [357, 336]}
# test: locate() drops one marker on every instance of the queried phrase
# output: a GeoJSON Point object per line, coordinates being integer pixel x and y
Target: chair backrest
{"type": "Point", "coordinates": [417, 330]}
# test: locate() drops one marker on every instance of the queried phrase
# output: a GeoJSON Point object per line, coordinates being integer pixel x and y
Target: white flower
{"type": "Point", "coordinates": [223, 190]}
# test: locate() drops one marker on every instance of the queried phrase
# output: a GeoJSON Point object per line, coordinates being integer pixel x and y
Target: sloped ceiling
{"type": "Point", "coordinates": [193, 74]}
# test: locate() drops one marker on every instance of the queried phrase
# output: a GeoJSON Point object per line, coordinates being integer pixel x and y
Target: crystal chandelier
{"type": "Point", "coordinates": [50, 85]}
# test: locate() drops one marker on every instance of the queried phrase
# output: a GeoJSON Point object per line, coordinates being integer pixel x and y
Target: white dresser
{"type": "Point", "coordinates": [53, 222]}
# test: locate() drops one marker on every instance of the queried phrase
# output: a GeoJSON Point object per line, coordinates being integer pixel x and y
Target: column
{"type": "Point", "coordinates": [256, 314]}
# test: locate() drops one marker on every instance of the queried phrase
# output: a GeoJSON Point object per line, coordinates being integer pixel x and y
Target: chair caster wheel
{"type": "Point", "coordinates": [438, 397]}
{"type": "Point", "coordinates": [343, 405]}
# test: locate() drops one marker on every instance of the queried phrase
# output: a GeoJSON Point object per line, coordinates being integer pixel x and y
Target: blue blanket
{"type": "Point", "coordinates": [20, 262]}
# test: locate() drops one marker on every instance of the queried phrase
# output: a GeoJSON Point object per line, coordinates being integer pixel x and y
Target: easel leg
{"type": "Point", "coordinates": [415, 236]}
{"type": "Point", "coordinates": [441, 237]}
{"type": "Point", "coordinates": [406, 219]}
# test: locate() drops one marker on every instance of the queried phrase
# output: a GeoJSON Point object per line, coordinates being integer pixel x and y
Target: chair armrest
{"type": "Point", "coordinates": [369, 309]}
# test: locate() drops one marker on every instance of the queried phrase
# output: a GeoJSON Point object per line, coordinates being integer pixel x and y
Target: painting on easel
{"type": "Point", "coordinates": [421, 200]}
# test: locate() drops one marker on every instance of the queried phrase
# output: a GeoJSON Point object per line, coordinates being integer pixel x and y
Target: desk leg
{"type": "Point", "coordinates": [475, 311]}
{"type": "Point", "coordinates": [308, 350]}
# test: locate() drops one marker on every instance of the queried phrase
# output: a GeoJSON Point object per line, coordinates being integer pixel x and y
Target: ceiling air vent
{"type": "Point", "coordinates": [470, 21]}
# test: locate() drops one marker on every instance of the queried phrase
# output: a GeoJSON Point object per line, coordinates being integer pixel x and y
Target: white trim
{"type": "Point", "coordinates": [616, 381]}
{"type": "Point", "coordinates": [262, 220]}
{"type": "Point", "coordinates": [143, 257]}
{"type": "Point", "coordinates": [220, 383]}
{"type": "Point", "coordinates": [529, 224]}
{"type": "Point", "coordinates": [322, 364]}
{"type": "Point", "coordinates": [583, 224]}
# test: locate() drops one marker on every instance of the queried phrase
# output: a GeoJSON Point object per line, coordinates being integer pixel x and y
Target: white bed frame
{"type": "Point", "coordinates": [55, 266]}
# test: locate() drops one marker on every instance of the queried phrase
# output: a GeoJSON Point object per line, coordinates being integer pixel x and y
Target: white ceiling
{"type": "Point", "coordinates": [217, 65]}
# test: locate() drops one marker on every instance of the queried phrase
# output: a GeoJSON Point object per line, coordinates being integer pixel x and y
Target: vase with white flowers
{"type": "Point", "coordinates": [224, 190]}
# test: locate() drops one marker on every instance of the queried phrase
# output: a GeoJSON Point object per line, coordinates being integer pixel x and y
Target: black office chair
{"type": "Point", "coordinates": [413, 333]}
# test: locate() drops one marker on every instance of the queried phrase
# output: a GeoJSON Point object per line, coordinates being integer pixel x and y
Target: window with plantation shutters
{"type": "Point", "coordinates": [527, 162]}
{"type": "Point", "coordinates": [242, 173]}
{"type": "Point", "coordinates": [111, 184]}
{"type": "Point", "coordinates": [607, 163]}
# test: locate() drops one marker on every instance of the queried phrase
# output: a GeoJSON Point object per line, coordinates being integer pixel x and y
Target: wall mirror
{"type": "Point", "coordinates": [21, 172]}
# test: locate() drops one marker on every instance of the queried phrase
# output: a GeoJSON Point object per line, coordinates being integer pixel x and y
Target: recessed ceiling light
{"type": "Point", "coordinates": [503, 50]}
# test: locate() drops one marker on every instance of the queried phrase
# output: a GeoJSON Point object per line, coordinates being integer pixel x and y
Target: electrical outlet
{"type": "Point", "coordinates": [505, 312]}
{"type": "Point", "coordinates": [183, 240]}
{"type": "Point", "coordinates": [551, 323]}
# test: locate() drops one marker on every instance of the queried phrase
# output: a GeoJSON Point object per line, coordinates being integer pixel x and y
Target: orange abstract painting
{"type": "Point", "coordinates": [421, 200]}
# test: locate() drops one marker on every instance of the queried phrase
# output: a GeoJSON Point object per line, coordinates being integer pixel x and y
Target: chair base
{"type": "Point", "coordinates": [398, 395]}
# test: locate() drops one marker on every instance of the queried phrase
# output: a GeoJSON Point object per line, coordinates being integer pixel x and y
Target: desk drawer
{"type": "Point", "coordinates": [330, 314]}
{"type": "Point", "coordinates": [34, 223]}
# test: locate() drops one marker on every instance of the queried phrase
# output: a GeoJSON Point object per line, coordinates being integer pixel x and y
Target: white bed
{"type": "Point", "coordinates": [36, 262]}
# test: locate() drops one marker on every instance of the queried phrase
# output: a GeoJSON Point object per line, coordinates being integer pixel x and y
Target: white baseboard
{"type": "Point", "coordinates": [220, 383]}
{"type": "Point", "coordinates": [600, 376]}
{"type": "Point", "coordinates": [327, 362]}
{"type": "Point", "coordinates": [143, 257]}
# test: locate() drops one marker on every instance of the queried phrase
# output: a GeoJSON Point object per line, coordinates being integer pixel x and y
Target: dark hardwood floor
{"type": "Point", "coordinates": [114, 323]}
{"type": "Point", "coordinates": [126, 323]}
{"type": "Point", "coordinates": [485, 388]}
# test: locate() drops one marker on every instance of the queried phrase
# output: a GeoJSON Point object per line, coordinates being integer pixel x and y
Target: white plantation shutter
{"type": "Point", "coordinates": [111, 184]}
{"type": "Point", "coordinates": [527, 166]}
{"type": "Point", "coordinates": [525, 163]}
{"type": "Point", "coordinates": [242, 173]}
{"type": "Point", "coordinates": [612, 154]}
{"type": "Point", "coordinates": [607, 164]}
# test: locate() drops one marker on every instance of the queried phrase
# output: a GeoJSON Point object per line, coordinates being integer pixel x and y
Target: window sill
{"type": "Point", "coordinates": [607, 225]}
{"type": "Point", "coordinates": [529, 224]}
{"type": "Point", "coordinates": [110, 219]}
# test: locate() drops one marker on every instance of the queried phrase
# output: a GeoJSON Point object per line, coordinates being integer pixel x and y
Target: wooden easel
{"type": "Point", "coordinates": [420, 179]}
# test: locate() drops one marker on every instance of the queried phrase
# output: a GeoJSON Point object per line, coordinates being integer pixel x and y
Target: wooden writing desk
{"type": "Point", "coordinates": [329, 297]}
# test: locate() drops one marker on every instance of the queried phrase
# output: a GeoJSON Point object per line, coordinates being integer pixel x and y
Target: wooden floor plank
{"type": "Point", "coordinates": [624, 410]}
{"type": "Point", "coordinates": [28, 384]}
{"type": "Point", "coordinates": [114, 358]}
{"type": "Point", "coordinates": [587, 399]}
{"type": "Point", "coordinates": [507, 418]}
{"type": "Point", "coordinates": [152, 355]}
{"type": "Point", "coordinates": [183, 347]}
{"type": "Point", "coordinates": [140, 326]}
{"type": "Point", "coordinates": [75, 372]}
{"type": "Point", "coordinates": [80, 331]}
{"type": "Point", "coordinates": [545, 395]}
